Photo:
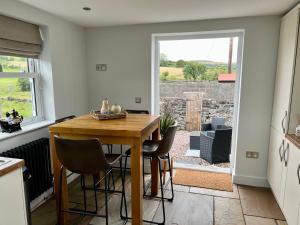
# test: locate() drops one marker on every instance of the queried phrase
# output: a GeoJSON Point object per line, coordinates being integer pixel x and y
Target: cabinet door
{"type": "Point", "coordinates": [275, 164]}
{"type": "Point", "coordinates": [292, 186]}
{"type": "Point", "coordinates": [285, 70]}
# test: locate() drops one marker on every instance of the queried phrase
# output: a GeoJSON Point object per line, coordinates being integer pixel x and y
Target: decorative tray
{"type": "Point", "coordinates": [109, 116]}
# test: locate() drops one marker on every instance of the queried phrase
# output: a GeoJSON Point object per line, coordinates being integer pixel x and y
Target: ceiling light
{"type": "Point", "coordinates": [86, 8]}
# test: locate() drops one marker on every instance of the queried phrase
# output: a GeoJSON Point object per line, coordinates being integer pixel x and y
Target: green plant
{"type": "Point", "coordinates": [180, 63]}
{"type": "Point", "coordinates": [166, 121]}
{"type": "Point", "coordinates": [165, 75]}
{"type": "Point", "coordinates": [194, 70]}
{"type": "Point", "coordinates": [24, 84]}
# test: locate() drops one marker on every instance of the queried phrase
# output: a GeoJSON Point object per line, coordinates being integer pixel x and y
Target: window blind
{"type": "Point", "coordinates": [19, 38]}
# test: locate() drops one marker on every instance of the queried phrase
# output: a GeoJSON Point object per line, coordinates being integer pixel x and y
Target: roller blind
{"type": "Point", "coordinates": [19, 38]}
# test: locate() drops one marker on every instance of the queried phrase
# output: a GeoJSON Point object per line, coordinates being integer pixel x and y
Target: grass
{"type": "Point", "coordinates": [174, 73]}
{"type": "Point", "coordinates": [9, 88]}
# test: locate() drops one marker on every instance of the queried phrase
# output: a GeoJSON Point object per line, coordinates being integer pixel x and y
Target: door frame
{"type": "Point", "coordinates": [155, 82]}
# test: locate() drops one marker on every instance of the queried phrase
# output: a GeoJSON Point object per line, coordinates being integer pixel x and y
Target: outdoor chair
{"type": "Point", "coordinates": [216, 122]}
{"type": "Point", "coordinates": [215, 146]}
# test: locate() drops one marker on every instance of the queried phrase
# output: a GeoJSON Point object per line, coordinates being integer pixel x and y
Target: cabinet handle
{"type": "Point", "coordinates": [298, 173]}
{"type": "Point", "coordinates": [286, 154]}
{"type": "Point", "coordinates": [280, 151]}
{"type": "Point", "coordinates": [283, 120]}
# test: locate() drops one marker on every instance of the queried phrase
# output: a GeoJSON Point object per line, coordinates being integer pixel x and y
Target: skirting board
{"type": "Point", "coordinates": [250, 181]}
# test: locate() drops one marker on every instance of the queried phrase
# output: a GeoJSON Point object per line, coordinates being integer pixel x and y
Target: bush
{"type": "Point", "coordinates": [165, 75]}
{"type": "Point", "coordinates": [24, 84]}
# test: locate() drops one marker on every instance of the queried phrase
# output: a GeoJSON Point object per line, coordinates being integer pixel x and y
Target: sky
{"type": "Point", "coordinates": [213, 49]}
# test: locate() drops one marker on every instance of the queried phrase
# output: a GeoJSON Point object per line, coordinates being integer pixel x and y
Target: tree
{"type": "Point", "coordinates": [194, 70]}
{"type": "Point", "coordinates": [180, 63]}
{"type": "Point", "coordinates": [24, 84]}
{"type": "Point", "coordinates": [1, 69]}
{"type": "Point", "coordinates": [213, 72]}
{"type": "Point", "coordinates": [163, 59]}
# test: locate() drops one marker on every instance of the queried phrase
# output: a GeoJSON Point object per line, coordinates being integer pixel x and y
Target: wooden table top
{"type": "Point", "coordinates": [133, 125]}
{"type": "Point", "coordinates": [10, 165]}
{"type": "Point", "coordinates": [294, 139]}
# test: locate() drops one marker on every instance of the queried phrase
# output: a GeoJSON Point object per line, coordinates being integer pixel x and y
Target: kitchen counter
{"type": "Point", "coordinates": [295, 140]}
{"type": "Point", "coordinates": [8, 165]}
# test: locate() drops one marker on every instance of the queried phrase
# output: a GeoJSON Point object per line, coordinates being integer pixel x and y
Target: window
{"type": "Point", "coordinates": [19, 87]}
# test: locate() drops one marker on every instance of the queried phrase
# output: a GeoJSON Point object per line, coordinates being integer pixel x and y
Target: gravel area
{"type": "Point", "coordinates": [181, 145]}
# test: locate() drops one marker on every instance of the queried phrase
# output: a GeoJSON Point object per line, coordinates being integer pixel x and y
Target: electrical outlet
{"type": "Point", "coordinates": [101, 67]}
{"type": "Point", "coordinates": [138, 100]}
{"type": "Point", "coordinates": [252, 155]}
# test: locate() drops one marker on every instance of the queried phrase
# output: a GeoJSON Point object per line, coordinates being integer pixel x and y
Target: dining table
{"type": "Point", "coordinates": [132, 130]}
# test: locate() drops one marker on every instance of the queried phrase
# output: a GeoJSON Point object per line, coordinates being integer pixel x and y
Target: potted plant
{"type": "Point", "coordinates": [166, 121]}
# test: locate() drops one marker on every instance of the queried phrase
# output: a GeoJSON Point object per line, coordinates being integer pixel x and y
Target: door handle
{"type": "Point", "coordinates": [286, 154]}
{"type": "Point", "coordinates": [280, 151]}
{"type": "Point", "coordinates": [283, 120]}
{"type": "Point", "coordinates": [298, 173]}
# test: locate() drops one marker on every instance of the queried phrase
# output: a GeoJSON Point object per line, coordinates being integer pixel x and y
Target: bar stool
{"type": "Point", "coordinates": [86, 157]}
{"type": "Point", "coordinates": [158, 150]}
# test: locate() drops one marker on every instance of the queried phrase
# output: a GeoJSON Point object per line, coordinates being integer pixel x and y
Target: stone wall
{"type": "Point", "coordinates": [217, 99]}
{"type": "Point", "coordinates": [178, 107]}
{"type": "Point", "coordinates": [211, 89]}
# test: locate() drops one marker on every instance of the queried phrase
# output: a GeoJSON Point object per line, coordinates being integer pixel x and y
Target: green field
{"type": "Point", "coordinates": [11, 95]}
{"type": "Point", "coordinates": [9, 89]}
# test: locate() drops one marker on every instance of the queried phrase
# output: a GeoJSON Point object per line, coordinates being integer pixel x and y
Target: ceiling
{"type": "Point", "coordinates": [121, 12]}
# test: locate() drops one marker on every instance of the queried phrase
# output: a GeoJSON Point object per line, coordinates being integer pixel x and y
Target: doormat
{"type": "Point", "coordinates": [204, 179]}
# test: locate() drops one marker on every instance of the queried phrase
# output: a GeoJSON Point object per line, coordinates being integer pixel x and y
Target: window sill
{"type": "Point", "coordinates": [26, 129]}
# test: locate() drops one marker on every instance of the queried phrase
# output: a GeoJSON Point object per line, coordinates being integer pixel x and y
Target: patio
{"type": "Point", "coordinates": [180, 148]}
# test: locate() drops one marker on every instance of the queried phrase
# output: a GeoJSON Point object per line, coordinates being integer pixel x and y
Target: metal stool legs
{"type": "Point", "coordinates": [95, 189]}
{"type": "Point", "coordinates": [162, 198]}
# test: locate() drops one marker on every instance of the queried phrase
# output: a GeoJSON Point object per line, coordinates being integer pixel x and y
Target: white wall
{"type": "Point", "coordinates": [63, 66]}
{"type": "Point", "coordinates": [69, 89]}
{"type": "Point", "coordinates": [127, 51]}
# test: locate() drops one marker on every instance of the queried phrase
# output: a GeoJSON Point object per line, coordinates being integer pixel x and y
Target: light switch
{"type": "Point", "coordinates": [101, 67]}
{"type": "Point", "coordinates": [138, 100]}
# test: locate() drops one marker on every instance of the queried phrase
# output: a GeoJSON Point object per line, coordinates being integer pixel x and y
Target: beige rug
{"type": "Point", "coordinates": [203, 179]}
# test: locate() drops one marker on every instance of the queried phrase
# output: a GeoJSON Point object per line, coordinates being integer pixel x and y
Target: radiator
{"type": "Point", "coordinates": [37, 159]}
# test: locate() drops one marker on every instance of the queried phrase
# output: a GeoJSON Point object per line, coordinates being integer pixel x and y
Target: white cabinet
{"type": "Point", "coordinates": [284, 157]}
{"type": "Point", "coordinates": [12, 199]}
{"type": "Point", "coordinates": [292, 187]}
{"type": "Point", "coordinates": [276, 164]}
{"type": "Point", "coordinates": [285, 70]}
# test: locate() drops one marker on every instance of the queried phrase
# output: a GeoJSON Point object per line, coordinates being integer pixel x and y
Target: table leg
{"type": "Point", "coordinates": [56, 170]}
{"type": "Point", "coordinates": [154, 166]}
{"type": "Point", "coordinates": [136, 182]}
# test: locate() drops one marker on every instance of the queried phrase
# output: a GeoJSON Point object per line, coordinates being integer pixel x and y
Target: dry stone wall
{"type": "Point", "coordinates": [217, 99]}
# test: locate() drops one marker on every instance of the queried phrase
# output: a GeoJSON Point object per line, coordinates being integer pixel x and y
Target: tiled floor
{"type": "Point", "coordinates": [191, 206]}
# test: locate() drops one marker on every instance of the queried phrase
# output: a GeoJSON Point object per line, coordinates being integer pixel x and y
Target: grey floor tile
{"type": "Point", "coordinates": [259, 202]}
{"type": "Point", "coordinates": [228, 211]}
{"type": "Point", "coordinates": [187, 209]}
{"type": "Point", "coordinates": [252, 220]}
{"type": "Point", "coordinates": [217, 193]}
{"type": "Point", "coordinates": [150, 207]}
{"type": "Point", "coordinates": [281, 222]}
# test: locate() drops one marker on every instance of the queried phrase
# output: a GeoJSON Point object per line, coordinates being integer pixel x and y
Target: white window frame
{"type": "Point", "coordinates": [35, 86]}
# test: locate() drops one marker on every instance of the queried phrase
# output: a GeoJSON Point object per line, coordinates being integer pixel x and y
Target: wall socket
{"type": "Point", "coordinates": [252, 155]}
{"type": "Point", "coordinates": [101, 67]}
{"type": "Point", "coordinates": [138, 100]}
